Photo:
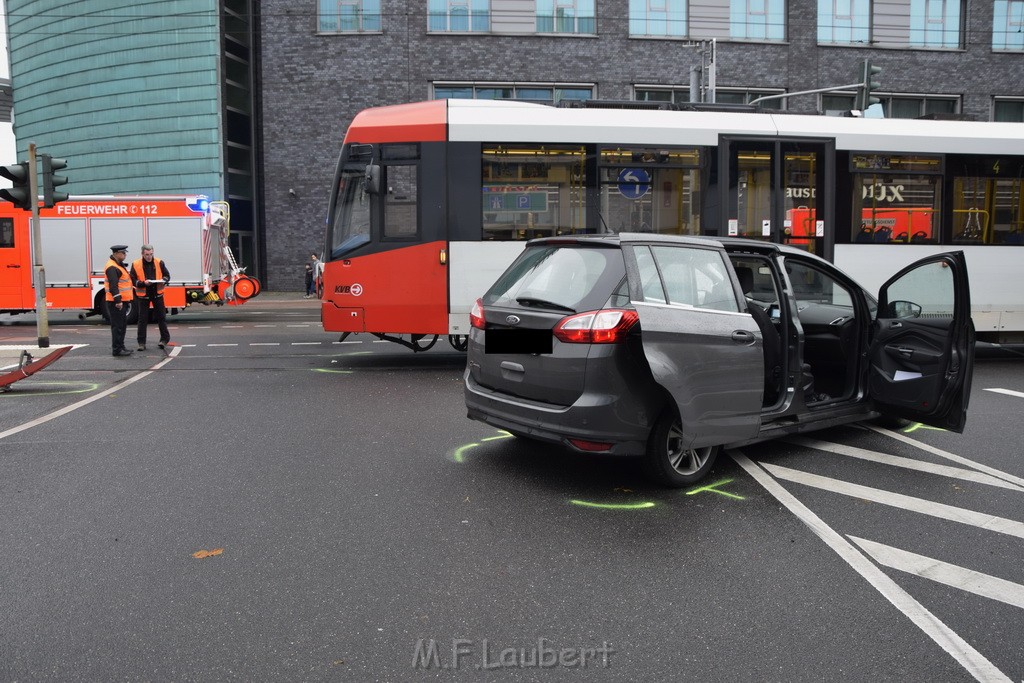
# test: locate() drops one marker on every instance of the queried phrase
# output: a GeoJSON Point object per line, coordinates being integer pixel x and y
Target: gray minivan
{"type": "Point", "coordinates": [670, 348]}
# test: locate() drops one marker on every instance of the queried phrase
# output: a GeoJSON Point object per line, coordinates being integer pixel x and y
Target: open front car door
{"type": "Point", "coordinates": [922, 347]}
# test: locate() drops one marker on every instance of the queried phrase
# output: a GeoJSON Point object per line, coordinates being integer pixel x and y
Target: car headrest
{"type": "Point", "coordinates": [746, 276]}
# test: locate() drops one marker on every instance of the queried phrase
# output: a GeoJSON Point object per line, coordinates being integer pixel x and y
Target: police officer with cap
{"type": "Point", "coordinates": [119, 295]}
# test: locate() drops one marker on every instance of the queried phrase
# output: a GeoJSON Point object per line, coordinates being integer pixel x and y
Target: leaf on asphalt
{"type": "Point", "coordinates": [200, 554]}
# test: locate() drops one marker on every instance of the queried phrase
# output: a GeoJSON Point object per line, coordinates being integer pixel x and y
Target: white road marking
{"type": "Point", "coordinates": [306, 343]}
{"type": "Point", "coordinates": [222, 344]}
{"type": "Point", "coordinates": [199, 327]}
{"type": "Point", "coordinates": [264, 325]}
{"type": "Point", "coordinates": [962, 651]}
{"type": "Point", "coordinates": [297, 325]}
{"type": "Point", "coordinates": [945, 573]}
{"type": "Point", "coordinates": [265, 344]}
{"type": "Point", "coordinates": [348, 342]}
{"type": "Point", "coordinates": [898, 500]}
{"type": "Point", "coordinates": [231, 326]}
{"type": "Point", "coordinates": [86, 401]}
{"type": "Point", "coordinates": [1008, 392]}
{"type": "Point", "coordinates": [906, 463]}
{"type": "Point", "coordinates": [947, 455]}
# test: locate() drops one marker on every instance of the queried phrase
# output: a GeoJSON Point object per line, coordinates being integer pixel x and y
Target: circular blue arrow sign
{"type": "Point", "coordinates": [634, 183]}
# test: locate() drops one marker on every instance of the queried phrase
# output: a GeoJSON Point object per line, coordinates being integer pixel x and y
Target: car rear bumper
{"type": "Point", "coordinates": [593, 417]}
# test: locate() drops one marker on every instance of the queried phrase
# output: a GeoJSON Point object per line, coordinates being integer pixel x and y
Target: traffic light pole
{"type": "Point", "coordinates": [38, 274]}
{"type": "Point", "coordinates": [786, 95]}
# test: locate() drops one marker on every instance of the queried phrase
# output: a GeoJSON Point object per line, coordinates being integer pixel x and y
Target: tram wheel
{"type": "Point", "coordinates": [419, 345]}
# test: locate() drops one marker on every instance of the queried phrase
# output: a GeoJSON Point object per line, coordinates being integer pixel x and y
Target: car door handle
{"type": "Point", "coordinates": [743, 337]}
{"type": "Point", "coordinates": [895, 323]}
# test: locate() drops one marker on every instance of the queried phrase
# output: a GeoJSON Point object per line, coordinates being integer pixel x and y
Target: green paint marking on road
{"type": "Point", "coordinates": [506, 435]}
{"type": "Point", "coordinates": [613, 506]}
{"type": "Point", "coordinates": [458, 456]}
{"type": "Point", "coordinates": [917, 425]}
{"type": "Point", "coordinates": [713, 488]}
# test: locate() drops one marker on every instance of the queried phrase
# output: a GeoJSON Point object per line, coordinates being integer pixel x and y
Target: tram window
{"type": "Point", "coordinates": [400, 202]}
{"type": "Point", "coordinates": [350, 225]}
{"type": "Point", "coordinates": [895, 209]}
{"type": "Point", "coordinates": [988, 210]}
{"type": "Point", "coordinates": [650, 190]}
{"type": "Point", "coordinates": [533, 191]}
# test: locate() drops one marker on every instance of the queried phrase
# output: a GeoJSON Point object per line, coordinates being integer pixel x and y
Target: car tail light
{"type": "Point", "coordinates": [476, 315]}
{"type": "Point", "coordinates": [596, 327]}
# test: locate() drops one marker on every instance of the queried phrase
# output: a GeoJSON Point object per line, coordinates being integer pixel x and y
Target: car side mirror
{"type": "Point", "coordinates": [903, 309]}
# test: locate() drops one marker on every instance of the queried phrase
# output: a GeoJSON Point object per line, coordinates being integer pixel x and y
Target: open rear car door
{"type": "Point", "coordinates": [700, 346]}
{"type": "Point", "coordinates": [922, 347]}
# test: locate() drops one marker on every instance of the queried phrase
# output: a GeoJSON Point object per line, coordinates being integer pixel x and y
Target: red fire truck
{"type": "Point", "coordinates": [189, 232]}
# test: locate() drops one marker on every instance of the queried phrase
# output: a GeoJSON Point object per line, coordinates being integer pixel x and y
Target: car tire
{"type": "Point", "coordinates": [667, 462]}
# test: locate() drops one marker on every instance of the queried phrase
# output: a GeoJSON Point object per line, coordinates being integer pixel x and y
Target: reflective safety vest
{"type": "Point", "coordinates": [140, 274]}
{"type": "Point", "coordinates": [124, 283]}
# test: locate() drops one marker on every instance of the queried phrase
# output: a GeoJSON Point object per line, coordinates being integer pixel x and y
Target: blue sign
{"type": "Point", "coordinates": [634, 183]}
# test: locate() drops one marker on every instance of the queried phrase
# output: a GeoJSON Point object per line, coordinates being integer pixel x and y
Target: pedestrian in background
{"type": "Point", "coordinates": [309, 280]}
{"type": "Point", "coordinates": [119, 297]}
{"type": "Point", "coordinates": [318, 275]}
{"type": "Point", "coordinates": [149, 277]}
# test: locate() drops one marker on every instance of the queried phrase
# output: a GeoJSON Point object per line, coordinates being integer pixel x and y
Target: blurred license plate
{"type": "Point", "coordinates": [517, 341]}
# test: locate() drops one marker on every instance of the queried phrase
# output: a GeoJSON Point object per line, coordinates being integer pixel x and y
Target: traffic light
{"type": "Point", "coordinates": [867, 85]}
{"type": "Point", "coordinates": [51, 181]}
{"type": "Point", "coordinates": [19, 194]}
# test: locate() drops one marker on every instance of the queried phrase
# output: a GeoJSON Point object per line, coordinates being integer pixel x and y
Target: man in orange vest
{"type": "Point", "coordinates": [119, 297]}
{"type": "Point", "coordinates": [150, 276]}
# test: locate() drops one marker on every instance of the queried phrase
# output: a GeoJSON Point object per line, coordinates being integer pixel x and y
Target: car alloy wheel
{"type": "Point", "coordinates": [668, 461]}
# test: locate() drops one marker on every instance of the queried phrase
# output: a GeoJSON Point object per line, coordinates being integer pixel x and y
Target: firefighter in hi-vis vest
{"type": "Point", "coordinates": [119, 297]}
{"type": "Point", "coordinates": [150, 276]}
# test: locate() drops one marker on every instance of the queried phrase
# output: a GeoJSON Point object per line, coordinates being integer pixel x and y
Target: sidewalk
{"type": "Point", "coordinates": [278, 298]}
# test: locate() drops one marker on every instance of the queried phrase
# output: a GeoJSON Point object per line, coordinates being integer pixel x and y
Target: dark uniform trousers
{"type": "Point", "coordinates": [118, 324]}
{"type": "Point", "coordinates": [157, 314]}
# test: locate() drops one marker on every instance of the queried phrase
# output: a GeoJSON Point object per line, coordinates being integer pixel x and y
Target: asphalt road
{"type": "Point", "coordinates": [270, 504]}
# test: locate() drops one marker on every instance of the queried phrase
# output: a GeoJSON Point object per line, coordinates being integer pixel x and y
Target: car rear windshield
{"type": "Point", "coordinates": [563, 277]}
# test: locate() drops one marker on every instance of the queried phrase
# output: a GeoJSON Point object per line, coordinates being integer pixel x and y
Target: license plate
{"type": "Point", "coordinates": [517, 341]}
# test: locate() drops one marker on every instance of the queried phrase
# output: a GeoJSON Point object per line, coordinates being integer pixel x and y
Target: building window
{"type": "Point", "coordinates": [935, 23]}
{"type": "Point", "coordinates": [746, 96]}
{"type": "Point", "coordinates": [566, 16]}
{"type": "Point", "coordinates": [681, 95]}
{"type": "Point", "coordinates": [838, 101]}
{"type": "Point", "coordinates": [537, 92]}
{"type": "Point", "coordinates": [1008, 25]}
{"type": "Point", "coordinates": [459, 16]}
{"type": "Point", "coordinates": [844, 22]}
{"type": "Point", "coordinates": [757, 19]}
{"type": "Point", "coordinates": [349, 16]}
{"type": "Point", "coordinates": [1008, 110]}
{"type": "Point", "coordinates": [657, 18]}
{"type": "Point", "coordinates": [901, 107]}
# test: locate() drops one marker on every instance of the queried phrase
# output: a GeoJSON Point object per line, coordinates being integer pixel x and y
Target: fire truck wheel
{"type": "Point", "coordinates": [133, 313]}
{"type": "Point", "coordinates": [100, 307]}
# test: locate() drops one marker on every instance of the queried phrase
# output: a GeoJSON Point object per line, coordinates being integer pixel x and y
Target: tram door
{"type": "Point", "coordinates": [776, 191]}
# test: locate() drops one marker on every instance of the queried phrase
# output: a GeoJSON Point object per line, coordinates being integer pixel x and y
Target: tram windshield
{"type": "Point", "coordinates": [350, 223]}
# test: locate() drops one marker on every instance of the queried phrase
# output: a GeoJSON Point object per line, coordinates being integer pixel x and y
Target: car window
{"type": "Point", "coordinates": [927, 292]}
{"type": "Point", "coordinates": [696, 277]}
{"type": "Point", "coordinates": [650, 280]}
{"type": "Point", "coordinates": [564, 276]}
{"type": "Point", "coordinates": [811, 285]}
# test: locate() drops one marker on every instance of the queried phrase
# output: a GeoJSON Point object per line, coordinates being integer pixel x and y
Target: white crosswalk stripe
{"type": "Point", "coordinates": [945, 573]}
